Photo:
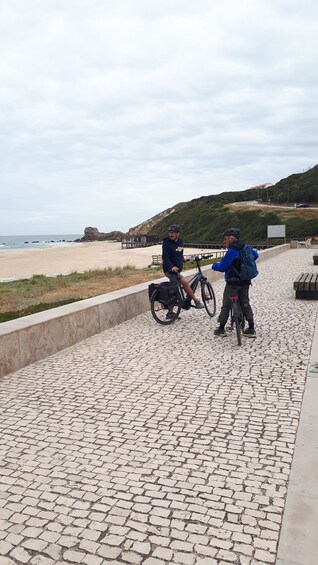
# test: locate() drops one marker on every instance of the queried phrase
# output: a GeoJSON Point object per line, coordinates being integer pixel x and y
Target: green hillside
{"type": "Point", "coordinates": [301, 187]}
{"type": "Point", "coordinates": [204, 219]}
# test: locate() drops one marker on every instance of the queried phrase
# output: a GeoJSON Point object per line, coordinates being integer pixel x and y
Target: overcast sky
{"type": "Point", "coordinates": [112, 111]}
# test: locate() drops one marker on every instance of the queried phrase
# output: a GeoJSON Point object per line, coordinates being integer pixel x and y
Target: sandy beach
{"type": "Point", "coordinates": [81, 257]}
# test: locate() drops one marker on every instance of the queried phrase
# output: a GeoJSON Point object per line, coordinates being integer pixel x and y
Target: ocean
{"type": "Point", "coordinates": [17, 242]}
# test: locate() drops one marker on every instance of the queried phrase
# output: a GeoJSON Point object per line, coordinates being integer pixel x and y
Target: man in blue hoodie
{"type": "Point", "coordinates": [172, 259]}
{"type": "Point", "coordinates": [230, 265]}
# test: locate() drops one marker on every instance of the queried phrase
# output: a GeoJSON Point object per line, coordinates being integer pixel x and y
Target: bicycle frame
{"type": "Point", "coordinates": [195, 280]}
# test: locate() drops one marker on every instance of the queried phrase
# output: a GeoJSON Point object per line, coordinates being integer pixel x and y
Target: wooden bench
{"type": "Point", "coordinates": [315, 257]}
{"type": "Point", "coordinates": [306, 286]}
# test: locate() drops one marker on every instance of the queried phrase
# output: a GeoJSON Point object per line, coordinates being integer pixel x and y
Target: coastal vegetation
{"type": "Point", "coordinates": [29, 296]}
{"type": "Point", "coordinates": [204, 219]}
{"type": "Point", "coordinates": [205, 223]}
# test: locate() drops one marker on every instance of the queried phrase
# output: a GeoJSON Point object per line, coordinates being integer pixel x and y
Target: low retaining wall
{"type": "Point", "coordinates": [29, 339]}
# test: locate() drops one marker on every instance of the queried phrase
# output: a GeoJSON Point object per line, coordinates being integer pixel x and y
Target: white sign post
{"type": "Point", "coordinates": [278, 231]}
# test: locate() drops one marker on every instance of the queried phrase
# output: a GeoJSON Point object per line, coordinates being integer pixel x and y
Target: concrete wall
{"type": "Point", "coordinates": [26, 340]}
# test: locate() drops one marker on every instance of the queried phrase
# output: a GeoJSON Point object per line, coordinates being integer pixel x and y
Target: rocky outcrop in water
{"type": "Point", "coordinates": [93, 234]}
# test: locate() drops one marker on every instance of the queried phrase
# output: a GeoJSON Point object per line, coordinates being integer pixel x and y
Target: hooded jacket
{"type": "Point", "coordinates": [172, 254]}
{"type": "Point", "coordinates": [230, 263]}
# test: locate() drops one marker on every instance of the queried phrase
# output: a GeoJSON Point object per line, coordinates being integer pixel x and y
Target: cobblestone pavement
{"type": "Point", "coordinates": [157, 445]}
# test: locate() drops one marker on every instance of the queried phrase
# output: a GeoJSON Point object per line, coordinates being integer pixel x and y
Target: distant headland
{"type": "Point", "coordinates": [93, 234]}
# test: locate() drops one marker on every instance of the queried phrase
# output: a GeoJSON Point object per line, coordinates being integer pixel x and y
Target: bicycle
{"type": "Point", "coordinates": [236, 314]}
{"type": "Point", "coordinates": [162, 305]}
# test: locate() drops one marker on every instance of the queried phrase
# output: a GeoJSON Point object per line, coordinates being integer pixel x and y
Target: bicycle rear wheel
{"type": "Point", "coordinates": [208, 298]}
{"type": "Point", "coordinates": [230, 326]}
{"type": "Point", "coordinates": [160, 311]}
{"type": "Point", "coordinates": [241, 316]}
{"type": "Point", "coordinates": [237, 322]}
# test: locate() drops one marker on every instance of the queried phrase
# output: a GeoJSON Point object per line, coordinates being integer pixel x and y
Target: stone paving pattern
{"type": "Point", "coordinates": [157, 445]}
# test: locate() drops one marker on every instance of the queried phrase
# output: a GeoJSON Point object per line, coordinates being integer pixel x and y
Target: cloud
{"type": "Point", "coordinates": [112, 112]}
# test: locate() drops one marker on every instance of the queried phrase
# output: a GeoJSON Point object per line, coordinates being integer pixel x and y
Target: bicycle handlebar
{"type": "Point", "coordinates": [196, 258]}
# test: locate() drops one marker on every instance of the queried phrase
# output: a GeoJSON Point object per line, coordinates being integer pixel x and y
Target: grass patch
{"type": "Point", "coordinates": [28, 296]}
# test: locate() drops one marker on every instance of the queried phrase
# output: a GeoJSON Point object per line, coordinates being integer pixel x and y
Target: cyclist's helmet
{"type": "Point", "coordinates": [232, 231]}
{"type": "Point", "coordinates": [174, 227]}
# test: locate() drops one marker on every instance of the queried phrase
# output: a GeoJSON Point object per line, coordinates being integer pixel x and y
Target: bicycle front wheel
{"type": "Point", "coordinates": [237, 322]}
{"type": "Point", "coordinates": [208, 298]}
{"type": "Point", "coordinates": [161, 313]}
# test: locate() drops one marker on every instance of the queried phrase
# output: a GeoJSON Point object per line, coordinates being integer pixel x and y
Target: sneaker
{"type": "Point", "coordinates": [220, 332]}
{"type": "Point", "coordinates": [198, 304]}
{"type": "Point", "coordinates": [249, 332]}
{"type": "Point", "coordinates": [170, 315]}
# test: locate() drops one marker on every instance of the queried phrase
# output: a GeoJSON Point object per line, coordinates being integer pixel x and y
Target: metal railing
{"type": "Point", "coordinates": [135, 244]}
{"type": "Point", "coordinates": [157, 259]}
{"type": "Point", "coordinates": [205, 245]}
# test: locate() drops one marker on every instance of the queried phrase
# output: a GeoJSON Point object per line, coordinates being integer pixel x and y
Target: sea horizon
{"type": "Point", "coordinates": [36, 241]}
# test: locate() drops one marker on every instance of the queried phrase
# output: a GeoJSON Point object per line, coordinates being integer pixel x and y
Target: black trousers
{"type": "Point", "coordinates": [243, 295]}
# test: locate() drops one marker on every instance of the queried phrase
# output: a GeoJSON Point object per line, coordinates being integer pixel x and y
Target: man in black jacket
{"type": "Point", "coordinates": [172, 258]}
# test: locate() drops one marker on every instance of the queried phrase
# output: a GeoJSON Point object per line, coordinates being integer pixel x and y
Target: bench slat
{"type": "Point", "coordinates": [312, 284]}
{"type": "Point", "coordinates": [301, 285]}
{"type": "Point", "coordinates": [307, 281]}
{"type": "Point", "coordinates": [297, 281]}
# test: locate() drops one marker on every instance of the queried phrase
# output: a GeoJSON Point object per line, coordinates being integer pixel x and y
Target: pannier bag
{"type": "Point", "coordinates": [151, 289]}
{"type": "Point", "coordinates": [168, 293]}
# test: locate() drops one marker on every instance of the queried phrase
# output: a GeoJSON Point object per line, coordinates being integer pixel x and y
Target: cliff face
{"type": "Point", "coordinates": [145, 227]}
{"type": "Point", "coordinates": [93, 234]}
